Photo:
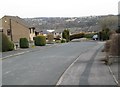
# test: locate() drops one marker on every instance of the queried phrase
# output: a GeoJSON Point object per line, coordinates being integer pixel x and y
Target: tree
{"type": "Point", "coordinates": [104, 34]}
{"type": "Point", "coordinates": [109, 22]}
{"type": "Point", "coordinates": [66, 35]}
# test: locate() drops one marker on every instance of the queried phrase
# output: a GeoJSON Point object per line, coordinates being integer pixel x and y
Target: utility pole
{"type": "Point", "coordinates": [11, 30]}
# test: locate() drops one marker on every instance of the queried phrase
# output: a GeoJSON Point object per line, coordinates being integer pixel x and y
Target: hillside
{"type": "Point", "coordinates": [75, 24]}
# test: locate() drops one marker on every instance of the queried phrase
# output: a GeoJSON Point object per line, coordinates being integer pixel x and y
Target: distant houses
{"type": "Point", "coordinates": [15, 28]}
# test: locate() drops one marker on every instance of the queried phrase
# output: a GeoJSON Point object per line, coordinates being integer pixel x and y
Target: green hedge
{"type": "Point", "coordinates": [40, 41]}
{"type": "Point", "coordinates": [76, 36]}
{"type": "Point", "coordinates": [89, 35]}
{"type": "Point", "coordinates": [24, 43]}
{"type": "Point", "coordinates": [7, 45]}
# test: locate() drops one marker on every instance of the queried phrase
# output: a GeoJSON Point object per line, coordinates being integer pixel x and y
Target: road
{"type": "Point", "coordinates": [43, 67]}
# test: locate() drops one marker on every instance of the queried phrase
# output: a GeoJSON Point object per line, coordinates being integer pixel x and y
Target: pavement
{"type": "Point", "coordinates": [20, 51]}
{"type": "Point", "coordinates": [88, 69]}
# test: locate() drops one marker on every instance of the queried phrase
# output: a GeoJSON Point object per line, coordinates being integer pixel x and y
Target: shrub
{"type": "Point", "coordinates": [115, 45]}
{"type": "Point", "coordinates": [7, 45]}
{"type": "Point", "coordinates": [76, 36]}
{"type": "Point", "coordinates": [104, 34]}
{"type": "Point", "coordinates": [40, 40]}
{"type": "Point", "coordinates": [58, 41]}
{"type": "Point", "coordinates": [11, 46]}
{"type": "Point", "coordinates": [50, 38]}
{"type": "Point", "coordinates": [63, 41]}
{"type": "Point", "coordinates": [66, 35]}
{"type": "Point", "coordinates": [24, 43]}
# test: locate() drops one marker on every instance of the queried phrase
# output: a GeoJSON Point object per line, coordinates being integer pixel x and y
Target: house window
{"type": "Point", "coordinates": [8, 32]}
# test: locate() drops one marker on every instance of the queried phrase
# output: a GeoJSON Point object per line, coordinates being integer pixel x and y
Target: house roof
{"type": "Point", "coordinates": [18, 20]}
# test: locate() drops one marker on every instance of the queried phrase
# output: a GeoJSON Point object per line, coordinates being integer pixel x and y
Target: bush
{"type": "Point", "coordinates": [40, 41]}
{"type": "Point", "coordinates": [63, 41]}
{"type": "Point", "coordinates": [66, 35]}
{"type": "Point", "coordinates": [7, 45]}
{"type": "Point", "coordinates": [115, 45]}
{"type": "Point", "coordinates": [50, 38]}
{"type": "Point", "coordinates": [104, 34]}
{"type": "Point", "coordinates": [11, 46]}
{"type": "Point", "coordinates": [76, 36]}
{"type": "Point", "coordinates": [24, 43]}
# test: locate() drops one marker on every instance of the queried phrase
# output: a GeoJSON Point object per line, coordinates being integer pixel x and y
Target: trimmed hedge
{"type": "Point", "coordinates": [89, 35]}
{"type": "Point", "coordinates": [24, 43]}
{"type": "Point", "coordinates": [40, 40]}
{"type": "Point", "coordinates": [77, 36]}
{"type": "Point", "coordinates": [7, 45]}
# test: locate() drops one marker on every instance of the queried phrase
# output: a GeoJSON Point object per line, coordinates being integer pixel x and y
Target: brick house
{"type": "Point", "coordinates": [15, 28]}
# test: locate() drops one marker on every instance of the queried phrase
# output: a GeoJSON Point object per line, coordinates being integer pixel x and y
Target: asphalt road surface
{"type": "Point", "coordinates": [43, 67]}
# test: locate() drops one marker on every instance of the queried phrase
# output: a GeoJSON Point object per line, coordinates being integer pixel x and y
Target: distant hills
{"type": "Point", "coordinates": [74, 24]}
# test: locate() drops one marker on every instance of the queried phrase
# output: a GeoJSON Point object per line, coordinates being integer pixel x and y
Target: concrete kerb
{"type": "Point", "coordinates": [115, 79]}
{"type": "Point", "coordinates": [64, 73]}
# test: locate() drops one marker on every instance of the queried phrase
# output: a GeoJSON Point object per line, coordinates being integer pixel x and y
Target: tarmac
{"type": "Point", "coordinates": [73, 74]}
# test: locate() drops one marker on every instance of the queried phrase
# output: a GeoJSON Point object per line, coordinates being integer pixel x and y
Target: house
{"type": "Point", "coordinates": [15, 28]}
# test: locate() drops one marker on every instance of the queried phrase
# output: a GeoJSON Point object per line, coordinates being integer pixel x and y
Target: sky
{"type": "Point", "coordinates": [57, 8]}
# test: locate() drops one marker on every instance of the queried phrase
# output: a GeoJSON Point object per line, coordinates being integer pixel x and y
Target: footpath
{"type": "Point", "coordinates": [20, 51]}
{"type": "Point", "coordinates": [88, 69]}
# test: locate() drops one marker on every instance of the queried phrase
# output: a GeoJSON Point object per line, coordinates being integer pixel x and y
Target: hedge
{"type": "Point", "coordinates": [40, 40]}
{"type": "Point", "coordinates": [24, 43]}
{"type": "Point", "coordinates": [7, 45]}
{"type": "Point", "coordinates": [76, 36]}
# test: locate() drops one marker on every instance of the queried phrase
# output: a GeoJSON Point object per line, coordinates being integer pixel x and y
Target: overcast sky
{"type": "Point", "coordinates": [57, 8]}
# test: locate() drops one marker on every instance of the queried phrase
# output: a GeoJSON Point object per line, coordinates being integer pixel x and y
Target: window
{"type": "Point", "coordinates": [8, 32]}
